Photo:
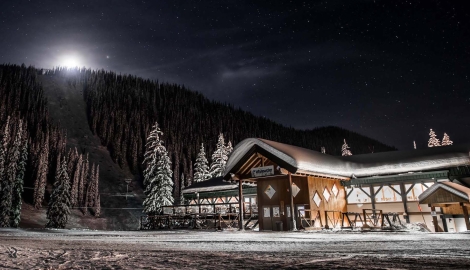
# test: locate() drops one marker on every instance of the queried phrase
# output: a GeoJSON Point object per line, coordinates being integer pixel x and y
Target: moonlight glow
{"type": "Point", "coordinates": [70, 61]}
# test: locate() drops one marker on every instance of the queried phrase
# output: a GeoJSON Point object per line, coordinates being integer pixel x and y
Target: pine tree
{"type": "Point", "coordinates": [18, 187]}
{"type": "Point", "coordinates": [3, 156]}
{"type": "Point", "coordinates": [97, 204]}
{"type": "Point", "coordinates": [201, 170]}
{"type": "Point", "coordinates": [323, 151]}
{"type": "Point", "coordinates": [92, 195]}
{"type": "Point", "coordinates": [76, 180]}
{"type": "Point", "coordinates": [90, 190]}
{"type": "Point", "coordinates": [228, 149]}
{"type": "Point", "coordinates": [446, 140]}
{"type": "Point", "coordinates": [10, 179]}
{"type": "Point", "coordinates": [181, 191]}
{"type": "Point", "coordinates": [433, 141]}
{"type": "Point", "coordinates": [414, 145]}
{"type": "Point", "coordinates": [219, 158]}
{"type": "Point", "coordinates": [82, 185]}
{"type": "Point", "coordinates": [59, 203]}
{"type": "Point", "coordinates": [43, 168]}
{"type": "Point", "coordinates": [345, 149]}
{"type": "Point", "coordinates": [157, 174]}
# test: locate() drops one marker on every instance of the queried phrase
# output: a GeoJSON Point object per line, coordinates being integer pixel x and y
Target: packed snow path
{"type": "Point", "coordinates": [67, 249]}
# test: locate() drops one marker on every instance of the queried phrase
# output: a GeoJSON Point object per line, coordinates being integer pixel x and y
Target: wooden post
{"type": "Point", "coordinates": [404, 200]}
{"type": "Point", "coordinates": [294, 227]}
{"type": "Point", "coordinates": [372, 196]}
{"type": "Point", "coordinates": [240, 205]}
{"type": "Point", "coordinates": [434, 218]}
{"type": "Point", "coordinates": [465, 215]}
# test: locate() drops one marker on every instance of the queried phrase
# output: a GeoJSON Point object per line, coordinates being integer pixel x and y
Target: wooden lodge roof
{"type": "Point", "coordinates": [213, 184]}
{"type": "Point", "coordinates": [445, 192]}
{"type": "Point", "coordinates": [305, 161]}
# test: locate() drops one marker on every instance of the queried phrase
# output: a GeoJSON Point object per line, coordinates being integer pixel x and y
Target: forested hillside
{"type": "Point", "coordinates": [123, 108]}
{"type": "Point", "coordinates": [120, 110]}
{"type": "Point", "coordinates": [27, 129]}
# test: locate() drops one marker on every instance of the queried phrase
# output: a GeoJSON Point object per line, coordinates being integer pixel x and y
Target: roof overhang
{"type": "Point", "coordinates": [453, 188]}
{"type": "Point", "coordinates": [410, 177]}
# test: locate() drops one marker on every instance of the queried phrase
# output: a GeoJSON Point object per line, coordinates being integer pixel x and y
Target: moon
{"type": "Point", "coordinates": [70, 61]}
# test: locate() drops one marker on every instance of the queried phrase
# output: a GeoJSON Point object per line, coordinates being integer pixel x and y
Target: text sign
{"type": "Point", "coordinates": [262, 171]}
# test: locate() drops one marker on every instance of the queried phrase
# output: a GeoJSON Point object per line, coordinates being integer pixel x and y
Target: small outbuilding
{"type": "Point", "coordinates": [452, 198]}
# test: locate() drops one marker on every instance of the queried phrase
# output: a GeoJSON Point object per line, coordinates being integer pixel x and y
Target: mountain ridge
{"type": "Point", "coordinates": [109, 116]}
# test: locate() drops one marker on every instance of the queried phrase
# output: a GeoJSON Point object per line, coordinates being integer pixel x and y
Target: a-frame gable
{"type": "Point", "coordinates": [441, 193]}
{"type": "Point", "coordinates": [256, 160]}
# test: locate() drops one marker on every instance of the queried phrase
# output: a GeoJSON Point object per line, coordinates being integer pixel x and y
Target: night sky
{"type": "Point", "coordinates": [390, 70]}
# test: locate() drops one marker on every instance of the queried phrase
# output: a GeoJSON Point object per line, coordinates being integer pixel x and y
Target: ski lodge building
{"type": "Point", "coordinates": [286, 187]}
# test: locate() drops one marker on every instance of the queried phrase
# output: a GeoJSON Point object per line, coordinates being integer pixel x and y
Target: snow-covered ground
{"type": "Point", "coordinates": [67, 249]}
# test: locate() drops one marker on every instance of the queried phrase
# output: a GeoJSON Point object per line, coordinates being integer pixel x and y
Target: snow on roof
{"type": "Point", "coordinates": [453, 188]}
{"type": "Point", "coordinates": [307, 161]}
{"type": "Point", "coordinates": [213, 184]}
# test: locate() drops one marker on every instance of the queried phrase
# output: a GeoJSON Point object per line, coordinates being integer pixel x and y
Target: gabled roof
{"type": "Point", "coordinates": [213, 184]}
{"type": "Point", "coordinates": [300, 160]}
{"type": "Point", "coordinates": [455, 189]}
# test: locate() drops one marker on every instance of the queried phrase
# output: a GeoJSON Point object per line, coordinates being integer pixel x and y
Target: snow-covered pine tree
{"type": "Point", "coordinates": [71, 161]}
{"type": "Point", "coordinates": [157, 174]}
{"type": "Point", "coordinates": [229, 149]}
{"type": "Point", "coordinates": [345, 149]}
{"type": "Point", "coordinates": [181, 189]}
{"type": "Point", "coordinates": [6, 199]}
{"type": "Point", "coordinates": [43, 168]}
{"type": "Point", "coordinates": [59, 203]}
{"type": "Point", "coordinates": [76, 180]}
{"type": "Point", "coordinates": [97, 204]}
{"type": "Point", "coordinates": [446, 140]}
{"type": "Point", "coordinates": [201, 170]}
{"type": "Point", "coordinates": [414, 145]}
{"type": "Point", "coordinates": [15, 214]}
{"type": "Point", "coordinates": [3, 156]}
{"type": "Point", "coordinates": [433, 141]}
{"type": "Point", "coordinates": [90, 190]}
{"type": "Point", "coordinates": [82, 184]}
{"type": "Point", "coordinates": [219, 158]}
{"type": "Point", "coordinates": [323, 151]}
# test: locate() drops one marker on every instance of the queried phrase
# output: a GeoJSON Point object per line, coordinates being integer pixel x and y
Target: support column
{"type": "Point", "coordinates": [434, 219]}
{"type": "Point", "coordinates": [240, 205]}
{"type": "Point", "coordinates": [404, 200]}
{"type": "Point", "coordinates": [465, 216]}
{"type": "Point", "coordinates": [372, 196]}
{"type": "Point", "coordinates": [294, 226]}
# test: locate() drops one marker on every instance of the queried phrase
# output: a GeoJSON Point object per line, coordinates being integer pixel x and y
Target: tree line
{"type": "Point", "coordinates": [121, 110]}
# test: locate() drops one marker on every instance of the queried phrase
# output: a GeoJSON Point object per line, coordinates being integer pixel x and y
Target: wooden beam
{"type": "Point", "coordinates": [294, 227]}
{"type": "Point", "coordinates": [378, 190]}
{"type": "Point", "coordinates": [408, 191]}
{"type": "Point", "coordinates": [465, 216]}
{"type": "Point", "coordinates": [434, 219]}
{"type": "Point", "coordinates": [372, 196]}
{"type": "Point", "coordinates": [284, 171]}
{"type": "Point", "coordinates": [240, 206]}
{"type": "Point", "coordinates": [364, 192]}
{"type": "Point", "coordinates": [404, 200]}
{"type": "Point", "coordinates": [390, 186]}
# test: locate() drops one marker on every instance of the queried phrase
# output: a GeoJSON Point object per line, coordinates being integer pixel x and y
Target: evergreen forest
{"type": "Point", "coordinates": [121, 110]}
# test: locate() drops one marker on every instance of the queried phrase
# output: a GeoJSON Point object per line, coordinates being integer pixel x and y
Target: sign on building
{"type": "Point", "coordinates": [262, 171]}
